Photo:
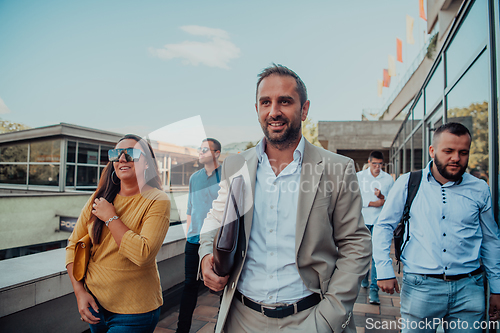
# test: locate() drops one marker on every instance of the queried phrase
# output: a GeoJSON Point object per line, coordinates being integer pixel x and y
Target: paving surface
{"type": "Point", "coordinates": [368, 318]}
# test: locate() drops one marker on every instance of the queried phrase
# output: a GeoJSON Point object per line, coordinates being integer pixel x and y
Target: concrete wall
{"type": "Point", "coordinates": [31, 219]}
{"type": "Point", "coordinates": [358, 135]}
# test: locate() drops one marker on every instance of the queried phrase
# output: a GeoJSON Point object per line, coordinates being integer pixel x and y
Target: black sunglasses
{"type": "Point", "coordinates": [131, 154]}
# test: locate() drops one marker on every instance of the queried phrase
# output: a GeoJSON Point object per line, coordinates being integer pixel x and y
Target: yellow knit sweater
{"type": "Point", "coordinates": [125, 280]}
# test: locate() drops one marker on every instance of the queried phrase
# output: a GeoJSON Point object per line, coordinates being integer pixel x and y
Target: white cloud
{"type": "Point", "coordinates": [3, 107]}
{"type": "Point", "coordinates": [215, 53]}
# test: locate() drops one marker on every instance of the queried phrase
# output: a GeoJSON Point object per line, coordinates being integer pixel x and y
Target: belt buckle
{"type": "Point", "coordinates": [263, 307]}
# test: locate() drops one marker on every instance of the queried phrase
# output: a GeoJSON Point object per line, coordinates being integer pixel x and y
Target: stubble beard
{"type": "Point", "coordinates": [449, 176]}
{"type": "Point", "coordinates": [282, 140]}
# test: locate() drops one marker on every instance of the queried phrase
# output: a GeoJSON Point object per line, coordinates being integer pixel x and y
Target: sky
{"type": "Point", "coordinates": [137, 66]}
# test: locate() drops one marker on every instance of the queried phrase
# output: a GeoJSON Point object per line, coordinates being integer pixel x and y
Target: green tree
{"type": "Point", "coordinates": [477, 113]}
{"type": "Point", "coordinates": [9, 126]}
{"type": "Point", "coordinates": [250, 144]}
{"type": "Point", "coordinates": [310, 131]}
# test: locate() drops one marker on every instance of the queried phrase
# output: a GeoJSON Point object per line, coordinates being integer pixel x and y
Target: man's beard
{"type": "Point", "coordinates": [442, 170]}
{"type": "Point", "coordinates": [284, 139]}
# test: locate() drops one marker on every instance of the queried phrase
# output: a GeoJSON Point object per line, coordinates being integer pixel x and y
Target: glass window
{"type": "Point", "coordinates": [70, 175]}
{"type": "Point", "coordinates": [471, 35]}
{"type": "Point", "coordinates": [104, 154]}
{"type": "Point", "coordinates": [418, 111]}
{"type": "Point", "coordinates": [13, 174]}
{"type": "Point", "coordinates": [418, 163]}
{"type": "Point", "coordinates": [468, 104]}
{"type": "Point", "coordinates": [86, 176]}
{"type": "Point", "coordinates": [71, 152]}
{"type": "Point", "coordinates": [14, 153]}
{"type": "Point", "coordinates": [87, 153]}
{"type": "Point", "coordinates": [434, 89]}
{"type": "Point", "coordinates": [46, 151]}
{"type": "Point", "coordinates": [44, 175]}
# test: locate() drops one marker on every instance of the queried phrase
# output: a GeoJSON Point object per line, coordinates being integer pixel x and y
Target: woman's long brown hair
{"type": "Point", "coordinates": [109, 185]}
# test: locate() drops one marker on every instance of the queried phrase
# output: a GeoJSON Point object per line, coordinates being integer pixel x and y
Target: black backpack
{"type": "Point", "coordinates": [404, 223]}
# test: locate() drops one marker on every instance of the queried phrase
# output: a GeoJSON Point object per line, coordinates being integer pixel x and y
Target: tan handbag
{"type": "Point", "coordinates": [82, 256]}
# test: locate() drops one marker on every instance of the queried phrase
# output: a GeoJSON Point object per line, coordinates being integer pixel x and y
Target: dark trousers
{"type": "Point", "coordinates": [191, 286]}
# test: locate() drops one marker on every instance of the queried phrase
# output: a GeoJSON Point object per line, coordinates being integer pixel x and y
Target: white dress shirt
{"type": "Point", "coordinates": [451, 228]}
{"type": "Point", "coordinates": [270, 272]}
{"type": "Point", "coordinates": [367, 185]}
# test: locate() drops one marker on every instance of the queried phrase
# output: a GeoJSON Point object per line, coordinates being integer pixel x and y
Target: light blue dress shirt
{"type": "Point", "coordinates": [203, 191]}
{"type": "Point", "coordinates": [451, 228]}
{"type": "Point", "coordinates": [270, 273]}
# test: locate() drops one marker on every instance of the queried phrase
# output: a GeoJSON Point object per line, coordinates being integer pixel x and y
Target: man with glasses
{"type": "Point", "coordinates": [374, 185]}
{"type": "Point", "coordinates": [203, 188]}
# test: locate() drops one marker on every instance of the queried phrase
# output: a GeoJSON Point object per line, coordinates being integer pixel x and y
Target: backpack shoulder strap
{"type": "Point", "coordinates": [413, 185]}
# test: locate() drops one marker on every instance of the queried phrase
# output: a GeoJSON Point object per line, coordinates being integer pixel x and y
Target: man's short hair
{"type": "Point", "coordinates": [217, 145]}
{"type": "Point", "coordinates": [453, 128]}
{"type": "Point", "coordinates": [376, 154]}
{"type": "Point", "coordinates": [277, 69]}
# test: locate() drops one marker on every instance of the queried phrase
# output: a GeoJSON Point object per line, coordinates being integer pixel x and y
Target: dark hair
{"type": "Point", "coordinates": [284, 71]}
{"type": "Point", "coordinates": [453, 128]}
{"type": "Point", "coordinates": [109, 184]}
{"type": "Point", "coordinates": [376, 154]}
{"type": "Point", "coordinates": [216, 143]}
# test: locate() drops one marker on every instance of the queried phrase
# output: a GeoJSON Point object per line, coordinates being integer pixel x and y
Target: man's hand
{"type": "Point", "coordinates": [212, 280]}
{"type": "Point", "coordinates": [378, 203]}
{"type": "Point", "coordinates": [388, 285]}
{"type": "Point", "coordinates": [494, 307]}
{"type": "Point", "coordinates": [378, 194]}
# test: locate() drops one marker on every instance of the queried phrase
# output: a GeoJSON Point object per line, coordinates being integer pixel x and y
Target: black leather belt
{"type": "Point", "coordinates": [279, 311]}
{"type": "Point", "coordinates": [454, 277]}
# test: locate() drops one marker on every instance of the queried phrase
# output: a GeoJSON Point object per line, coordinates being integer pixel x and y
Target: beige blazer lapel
{"type": "Point", "coordinates": [252, 162]}
{"type": "Point", "coordinates": [312, 170]}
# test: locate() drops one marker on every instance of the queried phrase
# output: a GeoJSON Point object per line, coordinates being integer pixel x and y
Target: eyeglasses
{"type": "Point", "coordinates": [203, 150]}
{"type": "Point", "coordinates": [131, 154]}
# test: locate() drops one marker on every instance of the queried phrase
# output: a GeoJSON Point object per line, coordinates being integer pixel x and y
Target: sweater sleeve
{"type": "Point", "coordinates": [142, 248]}
{"type": "Point", "coordinates": [81, 229]}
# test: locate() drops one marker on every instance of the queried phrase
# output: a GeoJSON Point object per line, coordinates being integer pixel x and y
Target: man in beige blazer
{"type": "Point", "coordinates": [306, 246]}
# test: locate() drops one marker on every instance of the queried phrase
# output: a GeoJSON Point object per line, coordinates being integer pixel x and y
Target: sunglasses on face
{"type": "Point", "coordinates": [131, 154]}
{"type": "Point", "coordinates": [203, 150]}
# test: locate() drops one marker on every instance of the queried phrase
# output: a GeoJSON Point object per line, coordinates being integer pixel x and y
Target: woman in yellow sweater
{"type": "Point", "coordinates": [127, 219]}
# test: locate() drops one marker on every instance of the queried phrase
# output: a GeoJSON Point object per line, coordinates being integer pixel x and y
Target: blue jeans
{"type": "Point", "coordinates": [373, 270]}
{"type": "Point", "coordinates": [191, 286]}
{"type": "Point", "coordinates": [426, 300]}
{"type": "Point", "coordinates": [111, 322]}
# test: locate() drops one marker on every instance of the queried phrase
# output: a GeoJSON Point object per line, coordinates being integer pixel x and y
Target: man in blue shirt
{"type": "Point", "coordinates": [203, 188]}
{"type": "Point", "coordinates": [451, 229]}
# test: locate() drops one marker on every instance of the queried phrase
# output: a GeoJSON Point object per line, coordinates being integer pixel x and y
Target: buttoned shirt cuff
{"type": "Point", "coordinates": [385, 272]}
{"type": "Point", "coordinates": [494, 286]}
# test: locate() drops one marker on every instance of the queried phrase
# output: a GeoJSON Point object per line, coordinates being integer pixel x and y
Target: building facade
{"type": "Point", "coordinates": [461, 86]}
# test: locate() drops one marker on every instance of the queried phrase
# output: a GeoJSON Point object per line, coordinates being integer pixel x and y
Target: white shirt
{"type": "Point", "coordinates": [367, 186]}
{"type": "Point", "coordinates": [270, 272]}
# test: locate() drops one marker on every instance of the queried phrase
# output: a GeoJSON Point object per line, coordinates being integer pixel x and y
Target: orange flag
{"type": "Point", "coordinates": [422, 11]}
{"type": "Point", "coordinates": [409, 29]}
{"type": "Point", "coordinates": [387, 78]}
{"type": "Point", "coordinates": [399, 47]}
{"type": "Point", "coordinates": [380, 85]}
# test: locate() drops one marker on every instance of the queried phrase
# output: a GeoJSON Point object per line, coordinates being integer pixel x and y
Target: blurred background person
{"type": "Point", "coordinates": [203, 188]}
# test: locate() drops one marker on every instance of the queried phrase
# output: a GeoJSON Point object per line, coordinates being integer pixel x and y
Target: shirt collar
{"type": "Point", "coordinates": [427, 171]}
{"type": "Point", "coordinates": [215, 172]}
{"type": "Point", "coordinates": [298, 153]}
